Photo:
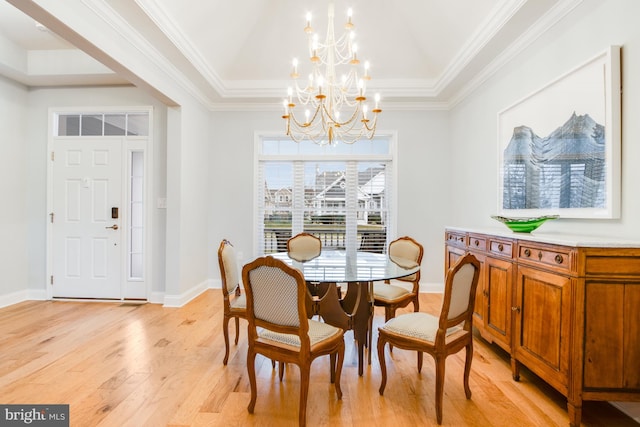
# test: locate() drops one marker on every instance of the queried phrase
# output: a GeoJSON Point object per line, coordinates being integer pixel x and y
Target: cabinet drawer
{"type": "Point", "coordinates": [556, 257]}
{"type": "Point", "coordinates": [455, 238]}
{"type": "Point", "coordinates": [502, 248]}
{"type": "Point", "coordinates": [478, 243]}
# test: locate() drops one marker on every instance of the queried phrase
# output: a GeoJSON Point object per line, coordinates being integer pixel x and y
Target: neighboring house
{"type": "Point", "coordinates": [277, 201]}
{"type": "Point", "coordinates": [371, 197]}
{"type": "Point", "coordinates": [331, 198]}
{"type": "Point", "coordinates": [328, 195]}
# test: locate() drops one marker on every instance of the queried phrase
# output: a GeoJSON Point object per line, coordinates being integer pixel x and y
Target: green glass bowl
{"type": "Point", "coordinates": [524, 225]}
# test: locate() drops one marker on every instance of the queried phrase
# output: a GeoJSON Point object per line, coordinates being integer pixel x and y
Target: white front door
{"type": "Point", "coordinates": [87, 227]}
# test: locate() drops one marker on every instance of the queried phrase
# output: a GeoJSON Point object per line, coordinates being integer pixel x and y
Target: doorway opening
{"type": "Point", "coordinates": [98, 192]}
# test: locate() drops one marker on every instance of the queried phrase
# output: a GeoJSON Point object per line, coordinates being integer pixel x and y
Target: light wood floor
{"type": "Point", "coordinates": [144, 365]}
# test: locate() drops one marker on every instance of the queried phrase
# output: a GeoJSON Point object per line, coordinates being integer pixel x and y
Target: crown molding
{"type": "Point", "coordinates": [163, 20]}
{"type": "Point", "coordinates": [499, 16]}
{"type": "Point", "coordinates": [120, 26]}
{"type": "Point", "coordinates": [392, 88]}
{"type": "Point", "coordinates": [260, 95]}
{"type": "Point", "coordinates": [544, 24]}
{"type": "Point", "coordinates": [425, 89]}
{"type": "Point", "coordinates": [276, 106]}
{"type": "Point", "coordinates": [227, 89]}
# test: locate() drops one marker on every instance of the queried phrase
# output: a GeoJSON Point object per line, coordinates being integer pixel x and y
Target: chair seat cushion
{"type": "Point", "coordinates": [318, 332]}
{"type": "Point", "coordinates": [418, 325]}
{"type": "Point", "coordinates": [239, 302]}
{"type": "Point", "coordinates": [389, 293]}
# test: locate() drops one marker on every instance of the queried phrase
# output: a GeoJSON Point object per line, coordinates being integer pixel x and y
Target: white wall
{"type": "Point", "coordinates": [447, 161]}
{"type": "Point", "coordinates": [231, 155]}
{"type": "Point", "coordinates": [423, 194]}
{"type": "Point", "coordinates": [14, 215]}
{"type": "Point", "coordinates": [586, 32]}
{"type": "Point", "coordinates": [180, 265]}
{"type": "Point", "coordinates": [188, 193]}
{"type": "Point", "coordinates": [88, 27]}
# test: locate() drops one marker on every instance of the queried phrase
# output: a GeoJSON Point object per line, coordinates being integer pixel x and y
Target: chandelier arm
{"type": "Point", "coordinates": [303, 124]}
{"type": "Point", "coordinates": [373, 125]}
{"type": "Point", "coordinates": [353, 117]}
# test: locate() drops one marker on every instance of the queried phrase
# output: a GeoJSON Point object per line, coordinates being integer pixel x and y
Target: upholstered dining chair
{"type": "Point", "coordinates": [279, 327]}
{"type": "Point", "coordinates": [398, 293]}
{"type": "Point", "coordinates": [234, 301]}
{"type": "Point", "coordinates": [304, 247]}
{"type": "Point", "coordinates": [439, 336]}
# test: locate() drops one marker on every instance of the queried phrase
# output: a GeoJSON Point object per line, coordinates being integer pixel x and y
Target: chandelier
{"type": "Point", "coordinates": [335, 106]}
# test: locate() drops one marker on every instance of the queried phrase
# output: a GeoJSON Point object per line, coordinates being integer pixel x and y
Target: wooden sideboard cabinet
{"type": "Point", "coordinates": [567, 307]}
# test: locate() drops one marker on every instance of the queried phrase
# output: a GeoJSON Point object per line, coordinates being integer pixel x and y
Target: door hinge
{"type": "Point", "coordinates": [53, 156]}
{"type": "Point", "coordinates": [51, 280]}
{"type": "Point", "coordinates": [51, 215]}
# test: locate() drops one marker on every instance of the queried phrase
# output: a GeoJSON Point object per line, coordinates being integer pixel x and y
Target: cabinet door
{"type": "Point", "coordinates": [498, 285]}
{"type": "Point", "coordinates": [612, 336]}
{"type": "Point", "coordinates": [542, 324]}
{"type": "Point", "coordinates": [451, 256]}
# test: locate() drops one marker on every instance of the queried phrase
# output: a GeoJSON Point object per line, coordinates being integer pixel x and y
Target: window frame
{"type": "Point", "coordinates": [259, 157]}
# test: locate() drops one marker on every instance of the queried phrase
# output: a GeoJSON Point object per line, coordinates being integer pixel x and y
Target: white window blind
{"type": "Point", "coordinates": [341, 194]}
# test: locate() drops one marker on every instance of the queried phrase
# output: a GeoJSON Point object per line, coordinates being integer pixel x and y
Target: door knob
{"type": "Point", "coordinates": [114, 227]}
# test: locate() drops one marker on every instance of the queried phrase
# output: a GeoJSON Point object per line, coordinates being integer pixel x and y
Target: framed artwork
{"type": "Point", "coordinates": [559, 148]}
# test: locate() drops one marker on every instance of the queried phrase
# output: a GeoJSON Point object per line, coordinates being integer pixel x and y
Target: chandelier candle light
{"type": "Point", "coordinates": [335, 109]}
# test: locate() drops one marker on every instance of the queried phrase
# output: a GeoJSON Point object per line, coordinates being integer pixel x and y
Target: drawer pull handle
{"type": "Point", "coordinates": [559, 259]}
{"type": "Point", "coordinates": [527, 252]}
{"type": "Point", "coordinates": [477, 243]}
{"type": "Point", "coordinates": [540, 256]}
{"type": "Point", "coordinates": [500, 247]}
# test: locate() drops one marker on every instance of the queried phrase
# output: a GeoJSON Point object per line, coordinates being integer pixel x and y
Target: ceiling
{"type": "Point", "coordinates": [238, 52]}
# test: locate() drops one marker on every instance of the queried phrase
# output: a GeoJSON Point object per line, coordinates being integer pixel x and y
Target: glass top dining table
{"type": "Point", "coordinates": [344, 267]}
{"type": "Point", "coordinates": [354, 309]}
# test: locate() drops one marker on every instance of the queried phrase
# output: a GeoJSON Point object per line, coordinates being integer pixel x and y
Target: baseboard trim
{"type": "Point", "coordinates": [21, 296]}
{"type": "Point", "coordinates": [156, 297]}
{"type": "Point", "coordinates": [215, 284]}
{"type": "Point", "coordinates": [162, 298]}
{"type": "Point", "coordinates": [184, 298]}
{"type": "Point", "coordinates": [431, 288]}
{"type": "Point", "coordinates": [13, 298]}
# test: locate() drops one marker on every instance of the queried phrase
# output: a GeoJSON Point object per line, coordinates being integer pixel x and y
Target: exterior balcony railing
{"type": "Point", "coordinates": [370, 238]}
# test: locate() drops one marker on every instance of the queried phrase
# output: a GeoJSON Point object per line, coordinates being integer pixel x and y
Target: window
{"type": "Point", "coordinates": [99, 124]}
{"type": "Point", "coordinates": [136, 224]}
{"type": "Point", "coordinates": [342, 194]}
